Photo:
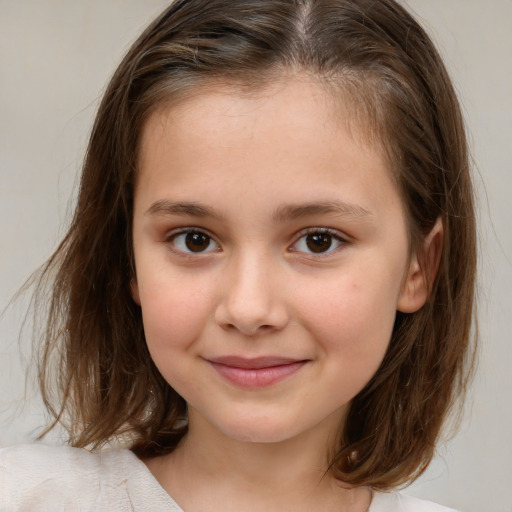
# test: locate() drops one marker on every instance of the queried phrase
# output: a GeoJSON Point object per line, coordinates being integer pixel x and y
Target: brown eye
{"type": "Point", "coordinates": [197, 242]}
{"type": "Point", "coordinates": [194, 242]}
{"type": "Point", "coordinates": [319, 242]}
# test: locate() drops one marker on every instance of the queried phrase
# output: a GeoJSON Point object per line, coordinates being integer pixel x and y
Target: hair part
{"type": "Point", "coordinates": [387, 74]}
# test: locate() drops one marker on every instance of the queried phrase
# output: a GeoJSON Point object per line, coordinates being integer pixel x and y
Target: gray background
{"type": "Point", "coordinates": [55, 59]}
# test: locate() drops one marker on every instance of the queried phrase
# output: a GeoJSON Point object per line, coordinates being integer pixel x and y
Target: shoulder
{"type": "Point", "coordinates": [37, 477]}
{"type": "Point", "coordinates": [397, 502]}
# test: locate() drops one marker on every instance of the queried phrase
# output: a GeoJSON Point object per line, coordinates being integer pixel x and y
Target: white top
{"type": "Point", "coordinates": [40, 478]}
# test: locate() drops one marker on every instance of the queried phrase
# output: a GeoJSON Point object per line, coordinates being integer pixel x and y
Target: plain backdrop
{"type": "Point", "coordinates": [55, 59]}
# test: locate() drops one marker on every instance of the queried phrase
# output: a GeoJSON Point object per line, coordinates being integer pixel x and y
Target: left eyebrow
{"type": "Point", "coordinates": [338, 208]}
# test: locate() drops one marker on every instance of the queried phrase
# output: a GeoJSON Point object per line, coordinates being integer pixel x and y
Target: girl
{"type": "Point", "coordinates": [266, 292]}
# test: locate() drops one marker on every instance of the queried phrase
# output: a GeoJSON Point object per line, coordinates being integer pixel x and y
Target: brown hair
{"type": "Point", "coordinates": [107, 385]}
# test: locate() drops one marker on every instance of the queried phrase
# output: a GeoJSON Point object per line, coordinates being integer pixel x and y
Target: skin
{"type": "Point", "coordinates": [255, 164]}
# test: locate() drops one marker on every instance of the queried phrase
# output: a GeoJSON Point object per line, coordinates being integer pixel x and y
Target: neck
{"type": "Point", "coordinates": [261, 463]}
{"type": "Point", "coordinates": [289, 475]}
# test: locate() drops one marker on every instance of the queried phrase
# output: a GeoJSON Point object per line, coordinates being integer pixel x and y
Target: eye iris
{"type": "Point", "coordinates": [197, 242]}
{"type": "Point", "coordinates": [319, 242]}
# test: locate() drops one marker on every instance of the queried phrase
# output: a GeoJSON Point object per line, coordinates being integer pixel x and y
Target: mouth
{"type": "Point", "coordinates": [258, 372]}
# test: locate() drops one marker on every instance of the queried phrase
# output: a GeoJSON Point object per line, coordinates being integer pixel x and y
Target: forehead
{"type": "Point", "coordinates": [288, 139]}
{"type": "Point", "coordinates": [298, 105]}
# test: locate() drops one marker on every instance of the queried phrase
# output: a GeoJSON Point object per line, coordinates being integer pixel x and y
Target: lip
{"type": "Point", "coordinates": [256, 372]}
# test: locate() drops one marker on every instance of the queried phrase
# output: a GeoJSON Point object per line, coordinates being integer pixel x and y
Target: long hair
{"type": "Point", "coordinates": [96, 374]}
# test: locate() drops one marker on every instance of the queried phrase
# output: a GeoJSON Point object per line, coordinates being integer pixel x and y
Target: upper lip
{"type": "Point", "coordinates": [255, 363]}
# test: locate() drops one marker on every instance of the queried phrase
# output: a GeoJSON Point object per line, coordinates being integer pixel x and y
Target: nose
{"type": "Point", "coordinates": [251, 301]}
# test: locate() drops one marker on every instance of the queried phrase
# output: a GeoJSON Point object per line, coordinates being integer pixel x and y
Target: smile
{"type": "Point", "coordinates": [256, 373]}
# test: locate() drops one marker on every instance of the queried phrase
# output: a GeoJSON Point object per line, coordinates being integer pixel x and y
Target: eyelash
{"type": "Point", "coordinates": [171, 238]}
{"type": "Point", "coordinates": [333, 234]}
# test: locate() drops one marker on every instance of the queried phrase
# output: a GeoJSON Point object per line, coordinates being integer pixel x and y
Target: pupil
{"type": "Point", "coordinates": [319, 242]}
{"type": "Point", "coordinates": [197, 242]}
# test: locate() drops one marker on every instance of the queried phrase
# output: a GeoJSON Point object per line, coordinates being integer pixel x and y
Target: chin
{"type": "Point", "coordinates": [258, 431]}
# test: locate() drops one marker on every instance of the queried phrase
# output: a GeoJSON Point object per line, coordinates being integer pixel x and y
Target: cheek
{"type": "Point", "coordinates": [174, 315]}
{"type": "Point", "coordinates": [352, 319]}
{"type": "Point", "coordinates": [174, 311]}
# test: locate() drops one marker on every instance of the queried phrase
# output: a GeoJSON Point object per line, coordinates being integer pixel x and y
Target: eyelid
{"type": "Point", "coordinates": [171, 235]}
{"type": "Point", "coordinates": [338, 235]}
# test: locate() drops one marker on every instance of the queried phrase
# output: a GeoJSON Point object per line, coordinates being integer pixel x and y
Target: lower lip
{"type": "Point", "coordinates": [257, 377]}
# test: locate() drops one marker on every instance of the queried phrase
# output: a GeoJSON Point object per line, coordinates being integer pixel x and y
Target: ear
{"type": "Point", "coordinates": [134, 290]}
{"type": "Point", "coordinates": [422, 271]}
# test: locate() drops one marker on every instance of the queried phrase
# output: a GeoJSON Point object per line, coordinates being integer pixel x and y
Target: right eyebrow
{"type": "Point", "coordinates": [190, 209]}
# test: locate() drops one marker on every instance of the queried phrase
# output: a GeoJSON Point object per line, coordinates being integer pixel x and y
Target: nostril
{"type": "Point", "coordinates": [249, 330]}
{"type": "Point", "coordinates": [250, 306]}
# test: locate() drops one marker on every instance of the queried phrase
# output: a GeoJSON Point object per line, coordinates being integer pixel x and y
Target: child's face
{"type": "Point", "coordinates": [271, 254]}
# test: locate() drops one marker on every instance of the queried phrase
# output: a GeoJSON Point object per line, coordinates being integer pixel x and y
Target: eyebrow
{"type": "Point", "coordinates": [191, 209]}
{"type": "Point", "coordinates": [281, 214]}
{"type": "Point", "coordinates": [337, 208]}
